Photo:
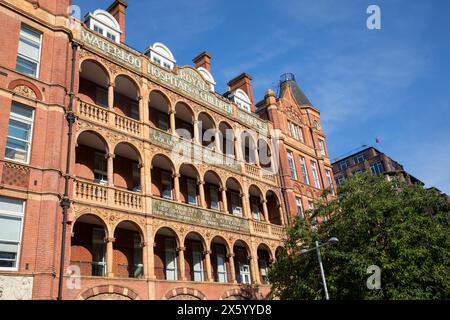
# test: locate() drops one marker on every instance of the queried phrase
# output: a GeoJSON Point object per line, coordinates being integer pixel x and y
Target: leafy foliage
{"type": "Point", "coordinates": [401, 228]}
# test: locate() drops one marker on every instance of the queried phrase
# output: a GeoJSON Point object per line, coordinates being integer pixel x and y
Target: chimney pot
{"type": "Point", "coordinates": [203, 60]}
{"type": "Point", "coordinates": [244, 82]}
{"type": "Point", "coordinates": [117, 10]}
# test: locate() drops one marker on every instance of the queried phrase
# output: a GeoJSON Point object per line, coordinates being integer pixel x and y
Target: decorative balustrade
{"type": "Point", "coordinates": [129, 200]}
{"type": "Point", "coordinates": [252, 170]}
{"type": "Point", "coordinates": [277, 231]}
{"type": "Point", "coordinates": [260, 227]}
{"type": "Point", "coordinates": [92, 192]}
{"type": "Point", "coordinates": [128, 125]}
{"type": "Point", "coordinates": [93, 112]}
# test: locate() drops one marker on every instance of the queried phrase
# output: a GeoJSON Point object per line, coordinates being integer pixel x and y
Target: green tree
{"type": "Point", "coordinates": [403, 229]}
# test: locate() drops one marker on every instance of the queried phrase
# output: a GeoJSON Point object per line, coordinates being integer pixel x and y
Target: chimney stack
{"type": "Point", "coordinates": [244, 82]}
{"type": "Point", "coordinates": [203, 60]}
{"type": "Point", "coordinates": [117, 10]}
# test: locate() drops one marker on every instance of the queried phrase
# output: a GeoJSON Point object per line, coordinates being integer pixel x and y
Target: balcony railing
{"type": "Point", "coordinates": [265, 228]}
{"type": "Point", "coordinates": [92, 192]}
{"type": "Point", "coordinates": [128, 125]}
{"type": "Point", "coordinates": [252, 170]}
{"type": "Point", "coordinates": [127, 199]}
{"type": "Point", "coordinates": [93, 112]}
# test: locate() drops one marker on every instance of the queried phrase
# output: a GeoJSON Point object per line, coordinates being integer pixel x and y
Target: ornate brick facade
{"type": "Point", "coordinates": [154, 214]}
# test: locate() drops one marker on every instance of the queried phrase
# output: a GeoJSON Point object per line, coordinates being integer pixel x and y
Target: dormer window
{"type": "Point", "coordinates": [105, 24]}
{"type": "Point", "coordinates": [208, 77]}
{"type": "Point", "coordinates": [161, 55]}
{"type": "Point", "coordinates": [241, 99]}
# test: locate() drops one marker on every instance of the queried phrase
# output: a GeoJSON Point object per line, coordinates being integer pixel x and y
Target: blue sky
{"type": "Point", "coordinates": [392, 84]}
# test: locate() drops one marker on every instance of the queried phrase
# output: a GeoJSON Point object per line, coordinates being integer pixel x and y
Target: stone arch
{"type": "Point", "coordinates": [108, 145]}
{"type": "Point", "coordinates": [131, 221]}
{"type": "Point", "coordinates": [96, 215]}
{"type": "Point", "coordinates": [108, 292]}
{"type": "Point", "coordinates": [235, 294]}
{"type": "Point", "coordinates": [100, 64]}
{"type": "Point", "coordinates": [184, 293]}
{"type": "Point", "coordinates": [25, 88]}
{"type": "Point", "coordinates": [172, 230]}
{"type": "Point", "coordinates": [132, 145]}
{"type": "Point", "coordinates": [130, 78]}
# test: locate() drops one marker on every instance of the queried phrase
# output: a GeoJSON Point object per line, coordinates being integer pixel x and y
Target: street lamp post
{"type": "Point", "coordinates": [332, 240]}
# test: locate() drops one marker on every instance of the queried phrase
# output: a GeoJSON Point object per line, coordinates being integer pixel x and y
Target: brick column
{"type": "Point", "coordinates": [196, 132]}
{"type": "Point", "coordinates": [111, 96]}
{"type": "Point", "coordinates": [265, 211]}
{"type": "Point", "coordinates": [201, 190]}
{"type": "Point", "coordinates": [254, 270]}
{"type": "Point", "coordinates": [176, 183]}
{"type": "Point", "coordinates": [110, 168]}
{"type": "Point", "coordinates": [232, 268]}
{"type": "Point", "coordinates": [224, 200]}
{"type": "Point", "coordinates": [217, 141]}
{"type": "Point", "coordinates": [109, 256]}
{"type": "Point", "coordinates": [182, 263]}
{"type": "Point", "coordinates": [209, 277]}
{"type": "Point", "coordinates": [172, 122]}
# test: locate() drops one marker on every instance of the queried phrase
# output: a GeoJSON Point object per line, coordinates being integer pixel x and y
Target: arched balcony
{"type": "Point", "coordinates": [184, 121]}
{"type": "Point", "coordinates": [227, 139]}
{"type": "Point", "coordinates": [249, 150]}
{"type": "Point", "coordinates": [159, 111]}
{"type": "Point", "coordinates": [91, 154]}
{"type": "Point", "coordinates": [215, 196]}
{"type": "Point", "coordinates": [265, 156]}
{"type": "Point", "coordinates": [264, 262]}
{"type": "Point", "coordinates": [128, 251]}
{"type": "Point", "coordinates": [126, 98]}
{"type": "Point", "coordinates": [220, 261]}
{"type": "Point", "coordinates": [194, 255]}
{"type": "Point", "coordinates": [207, 131]}
{"type": "Point", "coordinates": [190, 185]}
{"type": "Point", "coordinates": [234, 197]}
{"type": "Point", "coordinates": [88, 246]}
{"type": "Point", "coordinates": [242, 263]}
{"type": "Point", "coordinates": [162, 174]}
{"type": "Point", "coordinates": [93, 84]}
{"type": "Point", "coordinates": [166, 255]}
{"type": "Point", "coordinates": [127, 168]}
{"type": "Point", "coordinates": [256, 202]}
{"type": "Point", "coordinates": [275, 214]}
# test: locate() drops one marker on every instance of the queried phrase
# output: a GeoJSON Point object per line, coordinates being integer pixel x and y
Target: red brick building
{"type": "Point", "coordinates": [170, 190]}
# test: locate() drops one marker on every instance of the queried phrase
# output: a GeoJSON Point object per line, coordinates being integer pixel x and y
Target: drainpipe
{"type": "Point", "coordinates": [65, 201]}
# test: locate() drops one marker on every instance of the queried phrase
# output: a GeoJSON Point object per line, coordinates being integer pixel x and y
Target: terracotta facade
{"type": "Point", "coordinates": [154, 214]}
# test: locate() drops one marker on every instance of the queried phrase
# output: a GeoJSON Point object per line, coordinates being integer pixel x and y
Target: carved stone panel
{"type": "Point", "coordinates": [16, 288]}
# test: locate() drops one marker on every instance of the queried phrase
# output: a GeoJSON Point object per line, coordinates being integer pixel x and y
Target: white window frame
{"type": "Point", "coordinates": [291, 162]}
{"type": "Point", "coordinates": [235, 205]}
{"type": "Point", "coordinates": [197, 262]}
{"type": "Point", "coordinates": [166, 177]}
{"type": "Point", "coordinates": [322, 147]}
{"type": "Point", "coordinates": [343, 165]}
{"type": "Point", "coordinates": [264, 271]}
{"type": "Point", "coordinates": [315, 174]}
{"type": "Point", "coordinates": [304, 170]}
{"type": "Point", "coordinates": [330, 181]}
{"type": "Point", "coordinates": [98, 171]}
{"type": "Point", "coordinates": [360, 158]}
{"type": "Point", "coordinates": [222, 276]}
{"type": "Point", "coordinates": [27, 121]}
{"type": "Point", "coordinates": [255, 209]}
{"type": "Point", "coordinates": [377, 168]}
{"type": "Point", "coordinates": [170, 246]}
{"type": "Point", "coordinates": [38, 63]}
{"type": "Point", "coordinates": [20, 216]}
{"type": "Point", "coordinates": [300, 211]}
{"type": "Point", "coordinates": [214, 197]}
{"type": "Point", "coordinates": [340, 180]}
{"type": "Point", "coordinates": [191, 186]}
